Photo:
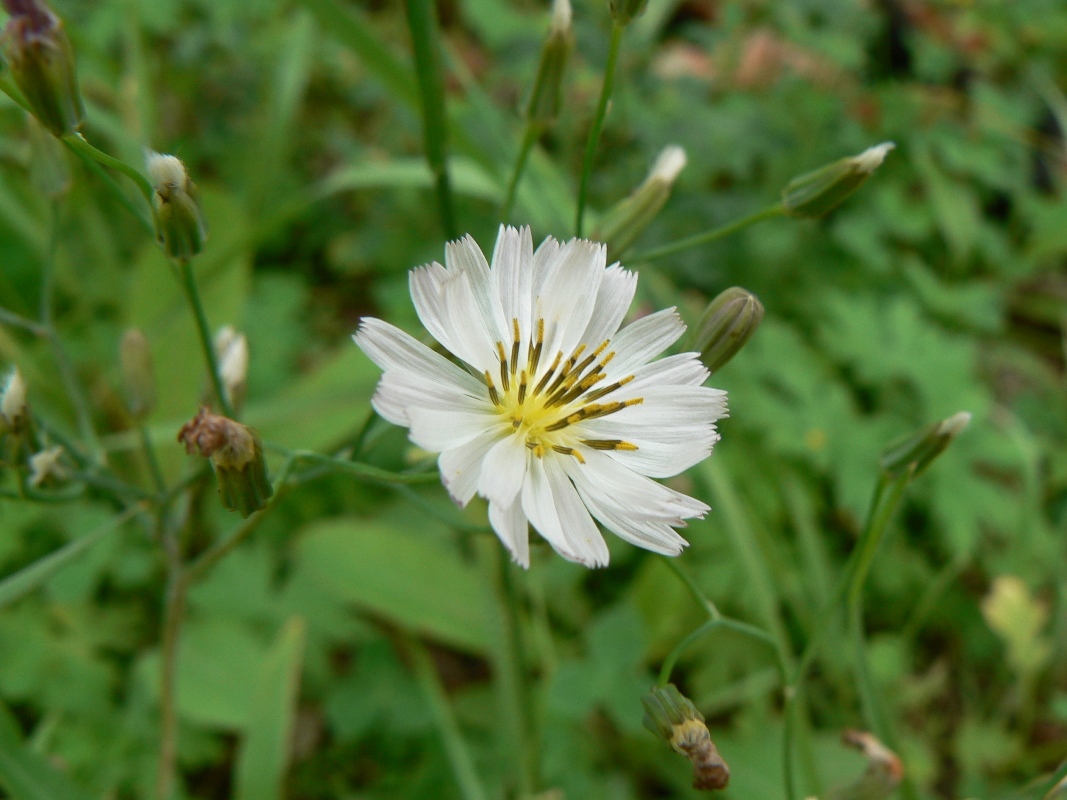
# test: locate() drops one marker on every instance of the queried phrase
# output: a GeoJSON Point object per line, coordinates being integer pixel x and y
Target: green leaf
{"type": "Point", "coordinates": [406, 577]}
{"type": "Point", "coordinates": [30, 577]}
{"type": "Point", "coordinates": [28, 775]}
{"type": "Point", "coordinates": [264, 754]}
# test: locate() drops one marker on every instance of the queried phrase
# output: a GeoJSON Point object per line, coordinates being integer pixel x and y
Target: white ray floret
{"type": "Point", "coordinates": [556, 416]}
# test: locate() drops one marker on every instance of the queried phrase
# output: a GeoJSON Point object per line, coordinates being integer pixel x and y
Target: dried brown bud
{"type": "Point", "coordinates": [237, 456]}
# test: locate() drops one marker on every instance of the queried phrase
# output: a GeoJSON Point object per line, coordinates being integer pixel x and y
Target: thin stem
{"type": "Point", "coordinates": [63, 364]}
{"type": "Point", "coordinates": [153, 462]}
{"type": "Point", "coordinates": [459, 755]}
{"type": "Point", "coordinates": [174, 611]}
{"type": "Point", "coordinates": [206, 344]}
{"type": "Point", "coordinates": [617, 30]}
{"type": "Point", "coordinates": [709, 236]}
{"type": "Point", "coordinates": [724, 623]}
{"type": "Point", "coordinates": [1048, 788]}
{"type": "Point", "coordinates": [694, 590]}
{"type": "Point", "coordinates": [77, 143]}
{"type": "Point", "coordinates": [529, 136]}
{"type": "Point", "coordinates": [365, 472]}
{"type": "Point", "coordinates": [423, 25]}
{"type": "Point", "coordinates": [17, 321]}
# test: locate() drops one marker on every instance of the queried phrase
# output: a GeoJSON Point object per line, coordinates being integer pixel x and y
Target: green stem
{"type": "Point", "coordinates": [1048, 788]}
{"type": "Point", "coordinates": [206, 344]}
{"type": "Point", "coordinates": [174, 610]}
{"type": "Point", "coordinates": [365, 472]}
{"type": "Point", "coordinates": [64, 366]}
{"type": "Point", "coordinates": [17, 321]}
{"type": "Point", "coordinates": [423, 25]}
{"type": "Point", "coordinates": [529, 136]}
{"type": "Point", "coordinates": [709, 236]}
{"type": "Point", "coordinates": [694, 590]}
{"type": "Point", "coordinates": [617, 30]}
{"type": "Point", "coordinates": [153, 462]}
{"type": "Point", "coordinates": [459, 755]}
{"type": "Point", "coordinates": [78, 144]}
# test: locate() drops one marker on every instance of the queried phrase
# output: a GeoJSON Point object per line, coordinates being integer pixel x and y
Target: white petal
{"type": "Point", "coordinates": [513, 271]}
{"type": "Point", "coordinates": [569, 293]}
{"type": "Point", "coordinates": [436, 431]}
{"type": "Point", "coordinates": [390, 348]}
{"type": "Point", "coordinates": [642, 340]}
{"type": "Point", "coordinates": [464, 255]}
{"type": "Point", "coordinates": [503, 470]}
{"type": "Point", "coordinates": [400, 390]}
{"type": "Point", "coordinates": [460, 466]}
{"type": "Point", "coordinates": [554, 508]}
{"type": "Point", "coordinates": [544, 256]}
{"type": "Point", "coordinates": [511, 526]}
{"type": "Point", "coordinates": [473, 339]}
{"type": "Point", "coordinates": [612, 302]}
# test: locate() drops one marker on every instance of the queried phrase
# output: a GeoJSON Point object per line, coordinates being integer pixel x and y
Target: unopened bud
{"type": "Point", "coordinates": [138, 377]}
{"type": "Point", "coordinates": [236, 453]}
{"type": "Point", "coordinates": [546, 98]}
{"type": "Point", "coordinates": [621, 226]}
{"type": "Point", "coordinates": [231, 349]}
{"type": "Point", "coordinates": [180, 224]}
{"type": "Point", "coordinates": [42, 64]}
{"type": "Point", "coordinates": [917, 451]}
{"type": "Point", "coordinates": [727, 325]}
{"type": "Point", "coordinates": [13, 407]}
{"type": "Point", "coordinates": [672, 716]}
{"type": "Point", "coordinates": [882, 776]}
{"type": "Point", "coordinates": [45, 465]}
{"type": "Point", "coordinates": [815, 193]}
{"type": "Point", "coordinates": [625, 10]}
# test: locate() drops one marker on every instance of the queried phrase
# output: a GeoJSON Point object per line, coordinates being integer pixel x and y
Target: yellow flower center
{"type": "Point", "coordinates": [542, 406]}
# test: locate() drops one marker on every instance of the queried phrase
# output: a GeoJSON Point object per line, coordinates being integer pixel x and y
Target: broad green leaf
{"type": "Point", "coordinates": [399, 574]}
{"type": "Point", "coordinates": [264, 753]}
{"type": "Point", "coordinates": [28, 775]}
{"type": "Point", "coordinates": [33, 575]}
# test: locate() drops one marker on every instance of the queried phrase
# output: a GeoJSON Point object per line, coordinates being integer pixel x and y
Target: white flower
{"type": "Point", "coordinates": [13, 397]}
{"type": "Point", "coordinates": [559, 416]}
{"type": "Point", "coordinates": [46, 464]}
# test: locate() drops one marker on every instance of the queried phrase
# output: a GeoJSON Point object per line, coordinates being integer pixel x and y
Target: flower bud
{"type": "Point", "coordinates": [236, 453]}
{"type": "Point", "coordinates": [727, 325]}
{"type": "Point", "coordinates": [916, 452]}
{"type": "Point", "coordinates": [180, 225]}
{"type": "Point", "coordinates": [547, 92]}
{"type": "Point", "coordinates": [231, 349]}
{"type": "Point", "coordinates": [815, 193]}
{"type": "Point", "coordinates": [882, 776]}
{"type": "Point", "coordinates": [625, 10]}
{"type": "Point", "coordinates": [45, 465]}
{"type": "Point", "coordinates": [138, 377]}
{"type": "Point", "coordinates": [14, 410]}
{"type": "Point", "coordinates": [621, 226]}
{"type": "Point", "coordinates": [42, 64]}
{"type": "Point", "coordinates": [673, 717]}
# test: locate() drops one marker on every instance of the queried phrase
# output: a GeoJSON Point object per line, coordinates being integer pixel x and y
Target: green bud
{"type": "Point", "coordinates": [623, 223]}
{"type": "Point", "coordinates": [917, 451]}
{"type": "Point", "coordinates": [236, 454]}
{"type": "Point", "coordinates": [180, 225]}
{"type": "Point", "coordinates": [547, 93]}
{"type": "Point", "coordinates": [42, 65]}
{"type": "Point", "coordinates": [815, 193]}
{"type": "Point", "coordinates": [672, 716]}
{"type": "Point", "coordinates": [138, 377]}
{"type": "Point", "coordinates": [625, 10]}
{"type": "Point", "coordinates": [728, 323]}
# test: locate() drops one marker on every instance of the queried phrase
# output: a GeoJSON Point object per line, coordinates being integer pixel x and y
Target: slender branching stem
{"type": "Point", "coordinates": [617, 31]}
{"type": "Point", "coordinates": [207, 345]}
{"type": "Point", "coordinates": [529, 136]}
{"type": "Point", "coordinates": [709, 236]}
{"type": "Point", "coordinates": [150, 458]}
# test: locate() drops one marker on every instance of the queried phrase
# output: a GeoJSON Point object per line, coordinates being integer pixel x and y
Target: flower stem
{"type": "Point", "coordinates": [153, 463]}
{"type": "Point", "coordinates": [617, 30]}
{"type": "Point", "coordinates": [529, 136]}
{"type": "Point", "coordinates": [174, 610]}
{"type": "Point", "coordinates": [709, 236]}
{"type": "Point", "coordinates": [206, 344]}
{"type": "Point", "coordinates": [459, 755]}
{"type": "Point", "coordinates": [78, 144]}
{"type": "Point", "coordinates": [423, 25]}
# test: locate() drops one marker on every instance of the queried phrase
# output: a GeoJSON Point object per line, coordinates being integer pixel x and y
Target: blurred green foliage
{"type": "Point", "coordinates": [941, 286]}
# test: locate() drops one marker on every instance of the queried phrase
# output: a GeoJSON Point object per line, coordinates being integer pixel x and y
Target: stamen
{"type": "Point", "coordinates": [522, 387]}
{"type": "Point", "coordinates": [535, 352]}
{"type": "Point", "coordinates": [609, 389]}
{"type": "Point", "coordinates": [566, 369]}
{"type": "Point", "coordinates": [569, 451]}
{"type": "Point", "coordinates": [515, 346]}
{"type": "Point", "coordinates": [609, 444]}
{"type": "Point", "coordinates": [503, 366]}
{"type": "Point", "coordinates": [545, 378]}
{"type": "Point", "coordinates": [492, 389]}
